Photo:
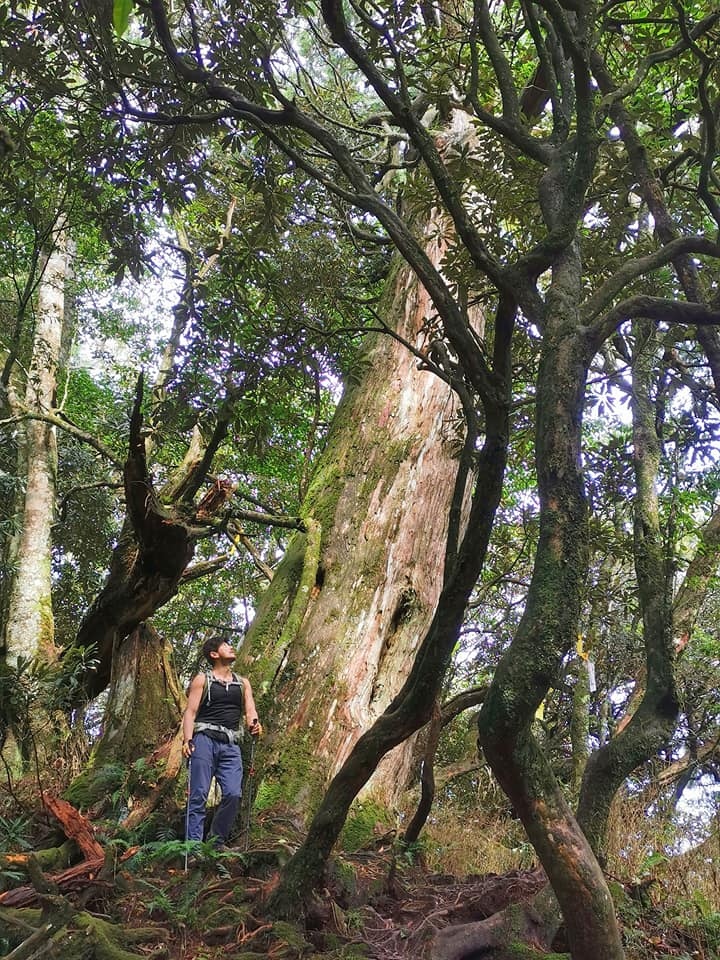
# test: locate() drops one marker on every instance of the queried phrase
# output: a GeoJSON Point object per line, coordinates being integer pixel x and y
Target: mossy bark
{"type": "Point", "coordinates": [579, 726]}
{"type": "Point", "coordinates": [144, 699]}
{"type": "Point", "coordinates": [522, 931]}
{"type": "Point", "coordinates": [143, 713]}
{"type": "Point", "coordinates": [654, 720]}
{"type": "Point", "coordinates": [76, 935]}
{"type": "Point", "coordinates": [339, 626]}
{"type": "Point", "coordinates": [548, 627]}
{"type": "Point", "coordinates": [411, 707]}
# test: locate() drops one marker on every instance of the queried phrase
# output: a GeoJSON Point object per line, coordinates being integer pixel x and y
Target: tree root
{"type": "Point", "coordinates": [103, 940]}
{"type": "Point", "coordinates": [522, 931]}
{"type": "Point", "coordinates": [74, 936]}
{"type": "Point", "coordinates": [142, 810]}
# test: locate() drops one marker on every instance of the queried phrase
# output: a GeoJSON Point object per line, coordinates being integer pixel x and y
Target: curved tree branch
{"type": "Point", "coordinates": [638, 267]}
{"type": "Point", "coordinates": [440, 719]}
{"type": "Point", "coordinates": [657, 309]}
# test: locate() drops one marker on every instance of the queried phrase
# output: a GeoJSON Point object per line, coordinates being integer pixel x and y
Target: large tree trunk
{"type": "Point", "coordinates": [340, 625]}
{"type": "Point", "coordinates": [412, 706]}
{"type": "Point", "coordinates": [141, 720]}
{"type": "Point", "coordinates": [144, 699]}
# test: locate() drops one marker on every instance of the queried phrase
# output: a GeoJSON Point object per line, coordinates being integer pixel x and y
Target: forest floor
{"type": "Point", "coordinates": [144, 902]}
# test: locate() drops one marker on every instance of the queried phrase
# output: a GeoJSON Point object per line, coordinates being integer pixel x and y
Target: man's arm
{"type": "Point", "coordinates": [194, 699]}
{"type": "Point", "coordinates": [251, 717]}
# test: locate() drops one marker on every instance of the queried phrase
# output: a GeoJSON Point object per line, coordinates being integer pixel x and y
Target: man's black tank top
{"type": "Point", "coordinates": [223, 704]}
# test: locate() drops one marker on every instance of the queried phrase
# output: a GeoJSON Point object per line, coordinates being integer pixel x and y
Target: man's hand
{"type": "Point", "coordinates": [255, 728]}
{"type": "Point", "coordinates": [187, 748]}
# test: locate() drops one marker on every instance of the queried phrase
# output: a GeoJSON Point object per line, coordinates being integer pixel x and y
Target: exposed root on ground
{"type": "Point", "coordinates": [447, 919]}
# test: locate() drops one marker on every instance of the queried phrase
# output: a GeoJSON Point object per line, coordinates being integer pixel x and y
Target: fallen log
{"type": "Point", "coordinates": [71, 879]}
{"type": "Point", "coordinates": [50, 858]}
{"type": "Point", "coordinates": [75, 825]}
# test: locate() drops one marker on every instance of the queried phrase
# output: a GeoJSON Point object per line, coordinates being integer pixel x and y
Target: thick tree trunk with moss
{"type": "Point", "coordinates": [143, 712]}
{"type": "Point", "coordinates": [464, 557]}
{"type": "Point", "coordinates": [144, 699]}
{"type": "Point", "coordinates": [340, 625]}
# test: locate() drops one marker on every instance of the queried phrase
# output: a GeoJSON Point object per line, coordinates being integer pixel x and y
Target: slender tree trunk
{"type": "Point", "coordinates": [579, 726]}
{"type": "Point", "coordinates": [548, 629]}
{"type": "Point", "coordinates": [440, 719]}
{"type": "Point", "coordinates": [155, 546]}
{"type": "Point", "coordinates": [29, 628]}
{"type": "Point", "coordinates": [654, 720]}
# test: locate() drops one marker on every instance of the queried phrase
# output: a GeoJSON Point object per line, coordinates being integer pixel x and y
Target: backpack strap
{"type": "Point", "coordinates": [209, 681]}
{"type": "Point", "coordinates": [208, 684]}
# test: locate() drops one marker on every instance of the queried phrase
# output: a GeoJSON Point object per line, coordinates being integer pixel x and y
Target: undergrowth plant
{"type": "Point", "coordinates": [15, 834]}
{"type": "Point", "coordinates": [162, 853]}
{"type": "Point", "coordinates": [33, 681]}
{"type": "Point", "coordinates": [178, 905]}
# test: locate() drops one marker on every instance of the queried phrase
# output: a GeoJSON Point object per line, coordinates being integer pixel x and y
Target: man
{"type": "Point", "coordinates": [212, 729]}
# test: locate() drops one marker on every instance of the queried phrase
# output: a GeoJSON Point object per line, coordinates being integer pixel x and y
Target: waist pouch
{"type": "Point", "coordinates": [216, 732]}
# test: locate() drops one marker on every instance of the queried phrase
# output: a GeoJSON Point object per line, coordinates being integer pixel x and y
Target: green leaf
{"type": "Point", "coordinates": [121, 15]}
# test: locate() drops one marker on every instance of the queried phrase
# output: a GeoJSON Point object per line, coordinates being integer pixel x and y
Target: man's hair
{"type": "Point", "coordinates": [212, 645]}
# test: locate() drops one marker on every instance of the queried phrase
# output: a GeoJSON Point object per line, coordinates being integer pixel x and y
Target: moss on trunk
{"type": "Point", "coordinates": [338, 628]}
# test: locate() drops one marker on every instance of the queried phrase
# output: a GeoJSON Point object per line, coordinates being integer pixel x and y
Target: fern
{"type": "Point", "coordinates": [180, 912]}
{"type": "Point", "coordinates": [15, 834]}
{"type": "Point", "coordinates": [159, 851]}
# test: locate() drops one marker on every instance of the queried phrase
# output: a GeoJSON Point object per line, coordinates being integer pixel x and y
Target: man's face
{"type": "Point", "coordinates": [225, 651]}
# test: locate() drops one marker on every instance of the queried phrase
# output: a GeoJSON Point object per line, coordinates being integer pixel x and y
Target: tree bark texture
{"type": "Point", "coordinates": [548, 629]}
{"type": "Point", "coordinates": [144, 699]}
{"type": "Point", "coordinates": [29, 629]}
{"type": "Point", "coordinates": [341, 622]}
{"type": "Point", "coordinates": [653, 721]}
{"type": "Point", "coordinates": [412, 706]}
